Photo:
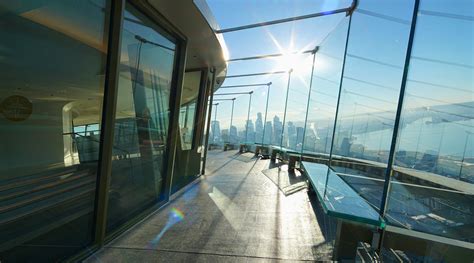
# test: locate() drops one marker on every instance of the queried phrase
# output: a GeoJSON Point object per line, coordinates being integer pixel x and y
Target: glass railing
{"type": "Point", "coordinates": [419, 177]}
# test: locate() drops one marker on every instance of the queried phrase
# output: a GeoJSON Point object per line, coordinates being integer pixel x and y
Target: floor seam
{"type": "Point", "coordinates": [208, 253]}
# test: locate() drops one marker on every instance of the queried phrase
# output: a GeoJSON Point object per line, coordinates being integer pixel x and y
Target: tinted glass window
{"type": "Point", "coordinates": [52, 63]}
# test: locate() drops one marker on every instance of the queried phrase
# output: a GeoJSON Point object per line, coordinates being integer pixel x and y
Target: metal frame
{"type": "Point", "coordinates": [315, 50]}
{"type": "Point", "coordinates": [291, 19]}
{"type": "Point", "coordinates": [201, 107]}
{"type": "Point", "coordinates": [199, 104]}
{"type": "Point", "coordinates": [115, 23]}
{"type": "Point", "coordinates": [396, 127]}
{"type": "Point", "coordinates": [209, 117]}
{"type": "Point", "coordinates": [267, 56]}
{"type": "Point", "coordinates": [256, 74]}
{"type": "Point", "coordinates": [269, 84]}
{"type": "Point", "coordinates": [286, 106]}
{"type": "Point", "coordinates": [108, 120]}
{"type": "Point", "coordinates": [340, 89]}
{"type": "Point", "coordinates": [248, 116]}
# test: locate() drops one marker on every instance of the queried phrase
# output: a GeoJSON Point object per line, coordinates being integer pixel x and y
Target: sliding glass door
{"type": "Point", "coordinates": [142, 119]}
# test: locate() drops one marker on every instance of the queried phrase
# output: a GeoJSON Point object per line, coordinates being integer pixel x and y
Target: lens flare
{"type": "Point", "coordinates": [175, 216]}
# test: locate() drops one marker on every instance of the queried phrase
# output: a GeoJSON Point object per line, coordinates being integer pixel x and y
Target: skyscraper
{"type": "Point", "coordinates": [277, 130]}
{"type": "Point", "coordinates": [259, 128]}
{"type": "Point", "coordinates": [267, 139]}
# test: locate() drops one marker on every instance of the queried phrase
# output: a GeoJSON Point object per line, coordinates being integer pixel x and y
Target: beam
{"type": "Point", "coordinates": [246, 85]}
{"type": "Point", "coordinates": [346, 10]}
{"type": "Point", "coordinates": [268, 56]}
{"type": "Point", "coordinates": [256, 74]}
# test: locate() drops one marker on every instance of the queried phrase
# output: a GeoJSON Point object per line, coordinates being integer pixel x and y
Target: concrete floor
{"type": "Point", "coordinates": [234, 214]}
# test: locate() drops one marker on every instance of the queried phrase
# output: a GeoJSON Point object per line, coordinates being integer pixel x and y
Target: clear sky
{"type": "Point", "coordinates": [295, 36]}
{"type": "Point", "coordinates": [440, 72]}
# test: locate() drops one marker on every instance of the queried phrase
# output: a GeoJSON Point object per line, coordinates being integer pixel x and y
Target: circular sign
{"type": "Point", "coordinates": [16, 108]}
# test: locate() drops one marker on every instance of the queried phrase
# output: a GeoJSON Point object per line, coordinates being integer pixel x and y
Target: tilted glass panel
{"type": "Point", "coordinates": [221, 120]}
{"type": "Point", "coordinates": [277, 96]}
{"type": "Point", "coordinates": [324, 93]}
{"type": "Point", "coordinates": [256, 119]}
{"type": "Point", "coordinates": [432, 187]}
{"type": "Point", "coordinates": [297, 102]}
{"type": "Point", "coordinates": [369, 94]}
{"type": "Point", "coordinates": [187, 113]}
{"type": "Point", "coordinates": [142, 119]}
{"type": "Point", "coordinates": [52, 66]}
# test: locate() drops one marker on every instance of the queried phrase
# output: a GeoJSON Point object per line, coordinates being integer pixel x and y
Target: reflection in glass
{"type": "Point", "coordinates": [52, 62]}
{"type": "Point", "coordinates": [297, 99]}
{"type": "Point", "coordinates": [142, 119]}
{"type": "Point", "coordinates": [432, 187]}
{"type": "Point", "coordinates": [324, 93]}
{"type": "Point", "coordinates": [187, 113]}
{"type": "Point", "coordinates": [369, 94]}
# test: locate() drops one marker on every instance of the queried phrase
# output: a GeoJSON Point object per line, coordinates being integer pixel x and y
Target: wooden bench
{"type": "Point", "coordinates": [357, 219]}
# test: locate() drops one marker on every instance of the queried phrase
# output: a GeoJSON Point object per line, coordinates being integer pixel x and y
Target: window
{"type": "Point", "coordinates": [52, 63]}
{"type": "Point", "coordinates": [187, 113]}
{"type": "Point", "coordinates": [141, 120]}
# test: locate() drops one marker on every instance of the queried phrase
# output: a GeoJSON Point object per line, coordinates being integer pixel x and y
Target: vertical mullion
{"type": "Point", "coordinates": [108, 119]}
{"type": "Point", "coordinates": [201, 108]}
{"type": "Point", "coordinates": [209, 116]}
{"type": "Point", "coordinates": [307, 104]}
{"type": "Point", "coordinates": [175, 104]}
{"type": "Point", "coordinates": [266, 113]}
{"type": "Point", "coordinates": [391, 156]}
{"type": "Point", "coordinates": [340, 89]}
{"type": "Point", "coordinates": [286, 107]}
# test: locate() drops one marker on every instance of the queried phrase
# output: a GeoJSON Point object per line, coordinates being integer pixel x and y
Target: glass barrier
{"type": "Point", "coordinates": [369, 94]}
{"type": "Point", "coordinates": [432, 184]}
{"type": "Point", "coordinates": [296, 102]}
{"type": "Point", "coordinates": [220, 122]}
{"type": "Point", "coordinates": [324, 93]}
{"type": "Point", "coordinates": [277, 97]}
{"type": "Point", "coordinates": [254, 132]}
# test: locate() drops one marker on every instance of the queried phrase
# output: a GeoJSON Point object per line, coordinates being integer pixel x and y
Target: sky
{"type": "Point", "coordinates": [296, 36]}
{"type": "Point", "coordinates": [439, 73]}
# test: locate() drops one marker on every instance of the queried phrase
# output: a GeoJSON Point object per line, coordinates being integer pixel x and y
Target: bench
{"type": "Point", "coordinates": [228, 146]}
{"type": "Point", "coordinates": [291, 155]}
{"type": "Point", "coordinates": [244, 147]}
{"type": "Point", "coordinates": [340, 201]}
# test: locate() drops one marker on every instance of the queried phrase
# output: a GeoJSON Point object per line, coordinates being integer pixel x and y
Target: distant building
{"type": "Point", "coordinates": [267, 139]}
{"type": "Point", "coordinates": [290, 141]}
{"type": "Point", "coordinates": [215, 132]}
{"type": "Point", "coordinates": [259, 128]}
{"type": "Point", "coordinates": [277, 130]}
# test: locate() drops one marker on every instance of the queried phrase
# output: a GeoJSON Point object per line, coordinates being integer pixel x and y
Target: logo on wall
{"type": "Point", "coordinates": [16, 108]}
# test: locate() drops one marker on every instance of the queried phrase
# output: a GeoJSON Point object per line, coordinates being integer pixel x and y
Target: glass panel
{"type": "Point", "coordinates": [369, 94]}
{"type": "Point", "coordinates": [324, 92]}
{"type": "Point", "coordinates": [187, 113]}
{"type": "Point", "coordinates": [142, 119]}
{"type": "Point", "coordinates": [339, 199]}
{"type": "Point", "coordinates": [52, 62]}
{"type": "Point", "coordinates": [297, 102]}
{"type": "Point", "coordinates": [432, 187]}
{"type": "Point", "coordinates": [257, 116]}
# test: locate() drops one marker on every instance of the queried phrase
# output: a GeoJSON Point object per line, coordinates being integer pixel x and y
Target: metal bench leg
{"type": "Point", "coordinates": [273, 156]}
{"type": "Point", "coordinates": [291, 163]}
